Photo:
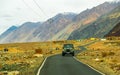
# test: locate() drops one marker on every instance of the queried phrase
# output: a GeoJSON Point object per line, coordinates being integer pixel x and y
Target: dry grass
{"type": "Point", "coordinates": [27, 57]}
{"type": "Point", "coordinates": [104, 56]}
{"type": "Point", "coordinates": [21, 56]}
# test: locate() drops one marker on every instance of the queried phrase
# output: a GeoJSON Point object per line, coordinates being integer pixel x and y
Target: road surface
{"type": "Point", "coordinates": [67, 65]}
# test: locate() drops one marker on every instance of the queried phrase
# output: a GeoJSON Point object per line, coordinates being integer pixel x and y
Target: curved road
{"type": "Point", "coordinates": [67, 65]}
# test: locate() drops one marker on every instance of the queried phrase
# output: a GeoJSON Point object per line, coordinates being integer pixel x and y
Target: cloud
{"type": "Point", "coordinates": [14, 12]}
{"type": "Point", "coordinates": [6, 16]}
{"type": "Point", "coordinates": [18, 8]}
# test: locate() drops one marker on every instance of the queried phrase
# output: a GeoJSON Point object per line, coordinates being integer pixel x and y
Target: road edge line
{"type": "Point", "coordinates": [41, 66]}
{"type": "Point", "coordinates": [38, 72]}
{"type": "Point", "coordinates": [89, 66]}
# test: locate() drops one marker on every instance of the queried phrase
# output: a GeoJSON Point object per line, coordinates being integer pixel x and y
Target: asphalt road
{"type": "Point", "coordinates": [67, 65]}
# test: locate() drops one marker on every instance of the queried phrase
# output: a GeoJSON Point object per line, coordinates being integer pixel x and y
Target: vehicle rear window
{"type": "Point", "coordinates": [68, 46]}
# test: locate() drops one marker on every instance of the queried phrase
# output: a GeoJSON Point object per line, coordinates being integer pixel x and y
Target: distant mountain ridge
{"type": "Point", "coordinates": [52, 26]}
{"type": "Point", "coordinates": [29, 32]}
{"type": "Point", "coordinates": [20, 33]}
{"type": "Point", "coordinates": [96, 11]}
{"type": "Point", "coordinates": [86, 17]}
{"type": "Point", "coordinates": [64, 26]}
{"type": "Point", "coordinates": [98, 28]}
{"type": "Point", "coordinates": [8, 31]}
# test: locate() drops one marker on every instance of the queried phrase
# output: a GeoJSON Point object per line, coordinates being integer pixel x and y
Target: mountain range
{"type": "Point", "coordinates": [8, 31]}
{"type": "Point", "coordinates": [98, 28]}
{"type": "Point", "coordinates": [94, 22]}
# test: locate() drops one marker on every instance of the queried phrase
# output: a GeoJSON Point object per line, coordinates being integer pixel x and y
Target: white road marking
{"type": "Point", "coordinates": [41, 66]}
{"type": "Point", "coordinates": [89, 66]}
{"type": "Point", "coordinates": [38, 73]}
{"type": "Point", "coordinates": [75, 59]}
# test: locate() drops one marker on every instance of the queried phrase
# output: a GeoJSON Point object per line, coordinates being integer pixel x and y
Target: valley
{"type": "Point", "coordinates": [25, 58]}
{"type": "Point", "coordinates": [34, 47]}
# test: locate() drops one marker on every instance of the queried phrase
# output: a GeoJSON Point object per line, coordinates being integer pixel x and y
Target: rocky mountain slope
{"type": "Point", "coordinates": [53, 26]}
{"type": "Point", "coordinates": [29, 31]}
{"type": "Point", "coordinates": [95, 12]}
{"type": "Point", "coordinates": [60, 26]}
{"type": "Point", "coordinates": [8, 31]}
{"type": "Point", "coordinates": [21, 33]}
{"type": "Point", "coordinates": [100, 27]}
{"type": "Point", "coordinates": [84, 18]}
{"type": "Point", "coordinates": [115, 31]}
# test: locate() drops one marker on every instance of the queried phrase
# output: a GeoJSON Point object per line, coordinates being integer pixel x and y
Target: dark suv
{"type": "Point", "coordinates": [68, 49]}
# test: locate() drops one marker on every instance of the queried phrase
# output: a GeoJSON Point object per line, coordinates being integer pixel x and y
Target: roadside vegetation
{"type": "Point", "coordinates": [103, 56]}
{"type": "Point", "coordinates": [26, 58]}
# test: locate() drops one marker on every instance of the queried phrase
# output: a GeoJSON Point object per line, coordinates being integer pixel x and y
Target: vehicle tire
{"type": "Point", "coordinates": [73, 53]}
{"type": "Point", "coordinates": [63, 54]}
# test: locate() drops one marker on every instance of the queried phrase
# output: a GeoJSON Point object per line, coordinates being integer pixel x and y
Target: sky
{"type": "Point", "coordinates": [17, 12]}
